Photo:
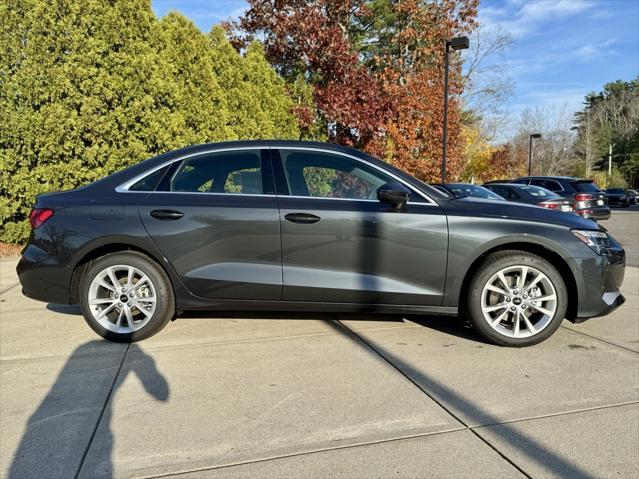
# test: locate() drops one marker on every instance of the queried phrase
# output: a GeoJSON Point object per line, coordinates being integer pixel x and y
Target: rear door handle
{"type": "Point", "coordinates": [166, 214]}
{"type": "Point", "coordinates": [305, 218]}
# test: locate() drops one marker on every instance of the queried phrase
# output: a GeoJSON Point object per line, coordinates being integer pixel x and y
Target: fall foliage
{"type": "Point", "coordinates": [376, 70]}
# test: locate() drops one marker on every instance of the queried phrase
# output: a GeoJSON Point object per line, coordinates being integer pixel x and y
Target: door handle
{"type": "Point", "coordinates": [166, 214]}
{"type": "Point", "coordinates": [304, 218]}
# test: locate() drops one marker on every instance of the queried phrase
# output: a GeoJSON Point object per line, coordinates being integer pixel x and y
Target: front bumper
{"type": "Point", "coordinates": [599, 282]}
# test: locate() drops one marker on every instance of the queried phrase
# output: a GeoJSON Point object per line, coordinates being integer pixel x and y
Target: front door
{"type": "Point", "coordinates": [217, 223]}
{"type": "Point", "coordinates": [340, 244]}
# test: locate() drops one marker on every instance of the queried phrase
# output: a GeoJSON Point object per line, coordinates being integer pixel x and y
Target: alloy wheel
{"type": "Point", "coordinates": [519, 301]}
{"type": "Point", "coordinates": [122, 299]}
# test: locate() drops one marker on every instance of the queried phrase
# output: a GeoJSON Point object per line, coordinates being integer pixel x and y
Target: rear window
{"type": "Point", "coordinates": [585, 186]}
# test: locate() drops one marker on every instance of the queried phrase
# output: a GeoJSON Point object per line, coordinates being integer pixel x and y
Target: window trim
{"type": "Point", "coordinates": [124, 187]}
{"type": "Point", "coordinates": [265, 172]}
{"type": "Point", "coordinates": [428, 202]}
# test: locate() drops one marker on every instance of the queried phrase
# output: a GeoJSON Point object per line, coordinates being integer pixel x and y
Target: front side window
{"type": "Point", "coordinates": [232, 172]}
{"type": "Point", "coordinates": [327, 175]}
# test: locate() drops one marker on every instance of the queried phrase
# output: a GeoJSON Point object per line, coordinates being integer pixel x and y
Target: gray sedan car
{"type": "Point", "coordinates": [300, 226]}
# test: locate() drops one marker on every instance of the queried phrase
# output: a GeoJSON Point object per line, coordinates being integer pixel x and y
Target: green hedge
{"type": "Point", "coordinates": [88, 87]}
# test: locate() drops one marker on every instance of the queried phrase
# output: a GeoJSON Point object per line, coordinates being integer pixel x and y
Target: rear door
{"type": "Point", "coordinates": [340, 244]}
{"type": "Point", "coordinates": [217, 223]}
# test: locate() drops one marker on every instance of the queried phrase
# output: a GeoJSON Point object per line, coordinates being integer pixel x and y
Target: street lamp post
{"type": "Point", "coordinates": [457, 43]}
{"type": "Point", "coordinates": [534, 135]}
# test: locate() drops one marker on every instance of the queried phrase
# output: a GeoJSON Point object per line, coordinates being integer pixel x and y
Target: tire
{"type": "Point", "coordinates": [144, 285]}
{"type": "Point", "coordinates": [484, 302]}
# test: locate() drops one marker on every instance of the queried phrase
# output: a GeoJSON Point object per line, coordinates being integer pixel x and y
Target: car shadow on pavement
{"type": "Point", "coordinates": [450, 400]}
{"type": "Point", "coordinates": [59, 434]}
{"type": "Point", "coordinates": [71, 309]}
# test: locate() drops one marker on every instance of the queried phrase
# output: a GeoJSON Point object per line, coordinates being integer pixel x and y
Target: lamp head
{"type": "Point", "coordinates": [459, 43]}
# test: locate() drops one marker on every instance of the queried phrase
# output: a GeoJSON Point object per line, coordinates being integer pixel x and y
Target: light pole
{"type": "Point", "coordinates": [533, 135]}
{"type": "Point", "coordinates": [457, 43]}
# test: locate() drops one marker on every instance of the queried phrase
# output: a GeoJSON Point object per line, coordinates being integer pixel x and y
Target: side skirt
{"type": "Point", "coordinates": [301, 306]}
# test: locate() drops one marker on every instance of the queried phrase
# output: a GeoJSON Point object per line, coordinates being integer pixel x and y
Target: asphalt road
{"type": "Point", "coordinates": [624, 226]}
{"type": "Point", "coordinates": [317, 396]}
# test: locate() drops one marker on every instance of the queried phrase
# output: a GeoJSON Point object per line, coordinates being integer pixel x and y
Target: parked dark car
{"type": "Point", "coordinates": [300, 226]}
{"type": "Point", "coordinates": [618, 197]}
{"type": "Point", "coordinates": [461, 190]}
{"type": "Point", "coordinates": [532, 195]}
{"type": "Point", "coordinates": [634, 196]}
{"type": "Point", "coordinates": [591, 202]}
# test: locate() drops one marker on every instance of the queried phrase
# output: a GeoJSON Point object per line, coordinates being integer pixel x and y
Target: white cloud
{"type": "Point", "coordinates": [519, 18]}
{"type": "Point", "coordinates": [593, 50]}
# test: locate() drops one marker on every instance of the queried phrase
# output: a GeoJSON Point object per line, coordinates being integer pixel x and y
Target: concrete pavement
{"type": "Point", "coordinates": [323, 396]}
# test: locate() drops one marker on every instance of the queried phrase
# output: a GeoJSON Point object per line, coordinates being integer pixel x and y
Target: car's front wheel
{"type": "Point", "coordinates": [517, 299]}
{"type": "Point", "coordinates": [126, 297]}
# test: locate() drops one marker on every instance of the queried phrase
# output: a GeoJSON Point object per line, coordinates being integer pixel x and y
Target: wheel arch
{"type": "Point", "coordinates": [552, 256]}
{"type": "Point", "coordinates": [90, 254]}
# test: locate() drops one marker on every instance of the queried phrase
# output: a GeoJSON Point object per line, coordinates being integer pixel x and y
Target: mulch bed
{"type": "Point", "coordinates": [7, 249]}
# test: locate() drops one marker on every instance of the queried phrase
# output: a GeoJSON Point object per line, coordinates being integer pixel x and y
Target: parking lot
{"type": "Point", "coordinates": [318, 396]}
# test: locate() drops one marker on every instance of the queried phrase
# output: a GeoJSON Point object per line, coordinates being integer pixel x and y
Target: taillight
{"type": "Point", "coordinates": [584, 197]}
{"type": "Point", "coordinates": [39, 216]}
{"type": "Point", "coordinates": [545, 204]}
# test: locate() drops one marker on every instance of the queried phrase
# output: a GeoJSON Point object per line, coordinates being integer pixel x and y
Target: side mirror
{"type": "Point", "coordinates": [395, 194]}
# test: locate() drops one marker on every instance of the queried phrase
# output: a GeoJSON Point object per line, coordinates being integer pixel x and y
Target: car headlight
{"type": "Point", "coordinates": [597, 241]}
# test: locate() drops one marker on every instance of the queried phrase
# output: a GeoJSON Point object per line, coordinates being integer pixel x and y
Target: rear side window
{"type": "Point", "coordinates": [231, 172]}
{"type": "Point", "coordinates": [585, 187]}
{"type": "Point", "coordinates": [538, 192]}
{"type": "Point", "coordinates": [150, 182]}
{"type": "Point", "coordinates": [505, 192]}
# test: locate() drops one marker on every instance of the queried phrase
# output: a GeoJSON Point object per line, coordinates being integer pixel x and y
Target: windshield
{"type": "Point", "coordinates": [474, 191]}
{"type": "Point", "coordinates": [585, 186]}
{"type": "Point", "coordinates": [615, 190]}
{"type": "Point", "coordinates": [539, 192]}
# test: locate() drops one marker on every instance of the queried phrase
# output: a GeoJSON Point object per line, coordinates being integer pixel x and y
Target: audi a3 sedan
{"type": "Point", "coordinates": [298, 226]}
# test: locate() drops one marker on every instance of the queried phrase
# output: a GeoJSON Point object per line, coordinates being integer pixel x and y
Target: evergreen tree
{"type": "Point", "coordinates": [88, 87]}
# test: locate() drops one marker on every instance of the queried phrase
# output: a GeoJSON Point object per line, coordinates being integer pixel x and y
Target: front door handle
{"type": "Point", "coordinates": [166, 214]}
{"type": "Point", "coordinates": [304, 218]}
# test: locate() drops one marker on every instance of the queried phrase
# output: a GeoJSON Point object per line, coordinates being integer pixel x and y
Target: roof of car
{"type": "Point", "coordinates": [514, 185]}
{"type": "Point", "coordinates": [269, 143]}
{"type": "Point", "coordinates": [569, 178]}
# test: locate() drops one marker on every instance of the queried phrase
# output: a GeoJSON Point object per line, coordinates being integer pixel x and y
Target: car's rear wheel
{"type": "Point", "coordinates": [517, 299]}
{"type": "Point", "coordinates": [126, 297]}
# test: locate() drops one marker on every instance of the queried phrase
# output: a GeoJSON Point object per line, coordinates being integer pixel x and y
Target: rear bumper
{"type": "Point", "coordinates": [42, 277]}
{"type": "Point", "coordinates": [594, 213]}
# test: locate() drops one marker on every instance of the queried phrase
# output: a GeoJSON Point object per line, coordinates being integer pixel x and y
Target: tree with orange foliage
{"type": "Point", "coordinates": [376, 69]}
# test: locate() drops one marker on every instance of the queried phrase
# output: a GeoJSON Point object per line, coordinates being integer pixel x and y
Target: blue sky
{"type": "Point", "coordinates": [563, 48]}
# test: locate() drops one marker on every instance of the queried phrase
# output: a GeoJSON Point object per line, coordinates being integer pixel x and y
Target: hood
{"type": "Point", "coordinates": [477, 207]}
